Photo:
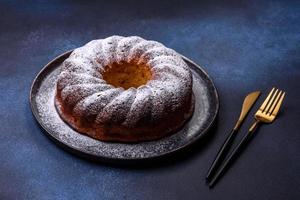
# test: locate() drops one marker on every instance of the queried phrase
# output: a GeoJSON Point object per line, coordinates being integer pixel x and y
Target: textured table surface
{"type": "Point", "coordinates": [244, 46]}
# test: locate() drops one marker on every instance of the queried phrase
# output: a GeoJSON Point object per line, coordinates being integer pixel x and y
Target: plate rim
{"type": "Point", "coordinates": [92, 156]}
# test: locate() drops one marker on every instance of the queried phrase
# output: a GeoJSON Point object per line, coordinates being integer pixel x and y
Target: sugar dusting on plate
{"type": "Point", "coordinates": [58, 129]}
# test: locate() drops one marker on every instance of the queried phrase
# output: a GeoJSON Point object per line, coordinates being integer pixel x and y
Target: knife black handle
{"type": "Point", "coordinates": [237, 150]}
{"type": "Point", "coordinates": [221, 154]}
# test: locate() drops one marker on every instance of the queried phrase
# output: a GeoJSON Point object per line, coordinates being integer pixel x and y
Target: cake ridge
{"type": "Point", "coordinates": [118, 105]}
{"type": "Point", "coordinates": [157, 52]}
{"type": "Point", "coordinates": [87, 102]}
{"type": "Point", "coordinates": [138, 106]}
{"type": "Point", "coordinates": [81, 88]}
{"type": "Point", "coordinates": [67, 79]}
{"type": "Point", "coordinates": [138, 49]}
{"type": "Point", "coordinates": [130, 41]}
{"type": "Point", "coordinates": [109, 46]}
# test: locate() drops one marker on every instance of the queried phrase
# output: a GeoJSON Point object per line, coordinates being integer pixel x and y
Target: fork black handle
{"type": "Point", "coordinates": [221, 154]}
{"type": "Point", "coordinates": [237, 150]}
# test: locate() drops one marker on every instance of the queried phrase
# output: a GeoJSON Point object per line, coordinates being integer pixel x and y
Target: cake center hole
{"type": "Point", "coordinates": [127, 75]}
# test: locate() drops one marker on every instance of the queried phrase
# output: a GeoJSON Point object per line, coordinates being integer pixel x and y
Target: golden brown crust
{"type": "Point", "coordinates": [118, 133]}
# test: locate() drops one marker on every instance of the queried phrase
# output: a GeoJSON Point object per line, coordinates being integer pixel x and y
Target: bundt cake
{"type": "Point", "coordinates": [124, 89]}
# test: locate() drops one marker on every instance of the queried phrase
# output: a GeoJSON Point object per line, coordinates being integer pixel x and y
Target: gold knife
{"type": "Point", "coordinates": [247, 105]}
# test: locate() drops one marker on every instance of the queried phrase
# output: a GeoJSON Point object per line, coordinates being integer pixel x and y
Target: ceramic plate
{"type": "Point", "coordinates": [42, 105]}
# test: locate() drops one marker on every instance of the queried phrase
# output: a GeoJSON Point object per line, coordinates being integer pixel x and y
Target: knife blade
{"type": "Point", "coordinates": [249, 101]}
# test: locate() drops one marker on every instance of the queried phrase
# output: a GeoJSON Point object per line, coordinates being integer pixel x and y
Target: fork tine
{"type": "Point", "coordinates": [272, 100]}
{"type": "Point", "coordinates": [263, 106]}
{"type": "Point", "coordinates": [271, 109]}
{"type": "Point", "coordinates": [275, 111]}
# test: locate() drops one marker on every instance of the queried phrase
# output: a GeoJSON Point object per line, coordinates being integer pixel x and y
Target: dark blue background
{"type": "Point", "coordinates": [244, 46]}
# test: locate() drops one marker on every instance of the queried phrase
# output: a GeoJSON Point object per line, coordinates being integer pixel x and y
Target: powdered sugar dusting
{"type": "Point", "coordinates": [94, 103]}
{"type": "Point", "coordinates": [124, 47]}
{"type": "Point", "coordinates": [141, 106]}
{"type": "Point", "coordinates": [117, 109]}
{"type": "Point", "coordinates": [78, 81]}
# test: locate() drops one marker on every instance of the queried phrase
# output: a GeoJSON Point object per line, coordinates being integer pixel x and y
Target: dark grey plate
{"type": "Point", "coordinates": [42, 105]}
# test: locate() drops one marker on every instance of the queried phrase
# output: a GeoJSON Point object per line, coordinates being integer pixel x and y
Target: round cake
{"type": "Point", "coordinates": [124, 89]}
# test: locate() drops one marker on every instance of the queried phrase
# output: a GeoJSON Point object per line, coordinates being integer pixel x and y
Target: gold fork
{"type": "Point", "coordinates": [265, 114]}
{"type": "Point", "coordinates": [269, 109]}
